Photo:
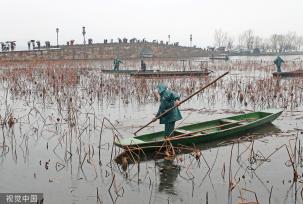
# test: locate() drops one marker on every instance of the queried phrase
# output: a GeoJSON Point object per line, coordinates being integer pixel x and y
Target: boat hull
{"type": "Point", "coordinates": [124, 71]}
{"type": "Point", "coordinates": [298, 73]}
{"type": "Point", "coordinates": [170, 73]}
{"type": "Point", "coordinates": [219, 58]}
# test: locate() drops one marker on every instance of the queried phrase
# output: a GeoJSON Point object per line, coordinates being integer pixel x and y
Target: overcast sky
{"type": "Point", "coordinates": [23, 20]}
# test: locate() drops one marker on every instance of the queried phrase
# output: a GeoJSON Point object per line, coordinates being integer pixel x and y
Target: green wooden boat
{"type": "Point", "coordinates": [202, 132]}
{"type": "Point", "coordinates": [124, 71]}
{"type": "Point", "coordinates": [170, 73]}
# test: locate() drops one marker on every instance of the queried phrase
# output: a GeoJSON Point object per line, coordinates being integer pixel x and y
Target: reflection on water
{"type": "Point", "coordinates": [168, 175]}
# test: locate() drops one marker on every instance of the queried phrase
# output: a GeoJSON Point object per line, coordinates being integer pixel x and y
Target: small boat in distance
{"type": "Point", "coordinates": [170, 73]}
{"type": "Point", "coordinates": [297, 73]}
{"type": "Point", "coordinates": [219, 57]}
{"type": "Point", "coordinates": [124, 71]}
{"type": "Point", "coordinates": [201, 132]}
{"type": "Point", "coordinates": [157, 73]}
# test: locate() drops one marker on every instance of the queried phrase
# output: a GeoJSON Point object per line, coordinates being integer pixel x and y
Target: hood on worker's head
{"type": "Point", "coordinates": [161, 88]}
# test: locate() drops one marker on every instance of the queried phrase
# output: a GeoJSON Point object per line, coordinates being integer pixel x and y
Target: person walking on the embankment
{"type": "Point", "coordinates": [168, 99]}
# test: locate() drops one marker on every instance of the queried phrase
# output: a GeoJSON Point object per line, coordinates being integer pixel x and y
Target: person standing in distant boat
{"type": "Point", "coordinates": [143, 66]}
{"type": "Point", "coordinates": [168, 99]}
{"type": "Point", "coordinates": [117, 63]}
{"type": "Point", "coordinates": [278, 62]}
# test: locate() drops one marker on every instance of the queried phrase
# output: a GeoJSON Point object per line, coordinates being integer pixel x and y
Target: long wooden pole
{"type": "Point", "coordinates": [189, 97]}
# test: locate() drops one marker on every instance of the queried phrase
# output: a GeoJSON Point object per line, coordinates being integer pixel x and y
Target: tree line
{"type": "Point", "coordinates": [248, 40]}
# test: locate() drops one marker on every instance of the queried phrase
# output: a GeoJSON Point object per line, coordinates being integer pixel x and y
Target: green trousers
{"type": "Point", "coordinates": [116, 67]}
{"type": "Point", "coordinates": [169, 127]}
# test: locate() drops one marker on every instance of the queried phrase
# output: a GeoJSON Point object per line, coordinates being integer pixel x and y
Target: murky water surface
{"type": "Point", "coordinates": [51, 121]}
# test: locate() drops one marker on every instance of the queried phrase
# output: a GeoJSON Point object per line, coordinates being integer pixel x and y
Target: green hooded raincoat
{"type": "Point", "coordinates": [278, 62]}
{"type": "Point", "coordinates": [167, 100]}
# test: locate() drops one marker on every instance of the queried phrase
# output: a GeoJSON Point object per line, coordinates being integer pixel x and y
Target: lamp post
{"type": "Point", "coordinates": [168, 39]}
{"type": "Point", "coordinates": [57, 31]}
{"type": "Point", "coordinates": [191, 40]}
{"type": "Point", "coordinates": [83, 33]}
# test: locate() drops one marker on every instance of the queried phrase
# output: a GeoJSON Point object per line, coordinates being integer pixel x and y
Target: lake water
{"type": "Point", "coordinates": [51, 121]}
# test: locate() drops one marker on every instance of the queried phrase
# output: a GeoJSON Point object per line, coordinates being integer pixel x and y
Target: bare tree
{"type": "Point", "coordinates": [281, 43]}
{"type": "Point", "coordinates": [258, 41]}
{"type": "Point", "coordinates": [299, 42]}
{"type": "Point", "coordinates": [230, 43]}
{"type": "Point", "coordinates": [220, 38]}
{"type": "Point", "coordinates": [248, 38]}
{"type": "Point", "coordinates": [274, 39]}
{"type": "Point", "coordinates": [241, 43]}
{"type": "Point", "coordinates": [290, 41]}
{"type": "Point", "coordinates": [266, 44]}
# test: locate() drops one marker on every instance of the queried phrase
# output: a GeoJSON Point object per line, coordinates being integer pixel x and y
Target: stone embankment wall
{"type": "Point", "coordinates": [106, 52]}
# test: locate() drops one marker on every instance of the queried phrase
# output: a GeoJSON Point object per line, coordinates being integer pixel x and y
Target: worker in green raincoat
{"type": "Point", "coordinates": [117, 63]}
{"type": "Point", "coordinates": [143, 66]}
{"type": "Point", "coordinates": [278, 62]}
{"type": "Point", "coordinates": [168, 99]}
